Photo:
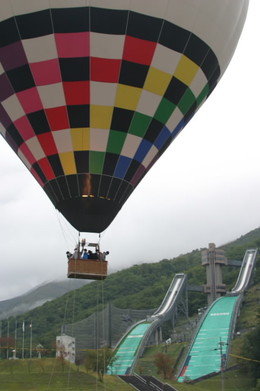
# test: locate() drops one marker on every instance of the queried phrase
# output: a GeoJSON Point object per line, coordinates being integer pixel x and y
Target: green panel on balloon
{"type": "Point", "coordinates": [96, 162]}
{"type": "Point", "coordinates": [116, 141]}
{"type": "Point", "coordinates": [164, 110]}
{"type": "Point", "coordinates": [139, 124]}
{"type": "Point", "coordinates": [203, 95]}
{"type": "Point", "coordinates": [187, 100]}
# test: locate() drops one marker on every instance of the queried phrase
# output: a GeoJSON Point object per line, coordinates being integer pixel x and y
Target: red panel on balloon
{"type": "Point", "coordinates": [58, 118]}
{"type": "Point", "coordinates": [30, 100]}
{"type": "Point", "coordinates": [46, 168]}
{"type": "Point", "coordinates": [25, 128]}
{"type": "Point", "coordinates": [105, 70]}
{"type": "Point", "coordinates": [27, 153]}
{"type": "Point", "coordinates": [72, 44]}
{"type": "Point", "coordinates": [138, 50]}
{"type": "Point", "coordinates": [46, 72]}
{"type": "Point", "coordinates": [47, 143]}
{"type": "Point", "coordinates": [77, 93]}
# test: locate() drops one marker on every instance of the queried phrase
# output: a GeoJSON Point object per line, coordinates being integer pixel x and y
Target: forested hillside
{"type": "Point", "coordinates": [138, 287]}
{"type": "Point", "coordinates": [36, 297]}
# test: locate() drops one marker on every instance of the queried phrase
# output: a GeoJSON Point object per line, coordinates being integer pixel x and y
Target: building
{"type": "Point", "coordinates": [65, 348]}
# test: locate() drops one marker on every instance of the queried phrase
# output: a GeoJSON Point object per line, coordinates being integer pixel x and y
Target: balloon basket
{"type": "Point", "coordinates": [87, 269]}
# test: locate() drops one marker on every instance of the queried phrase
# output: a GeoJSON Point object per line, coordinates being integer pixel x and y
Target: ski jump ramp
{"type": "Point", "coordinates": [132, 344]}
{"type": "Point", "coordinates": [210, 347]}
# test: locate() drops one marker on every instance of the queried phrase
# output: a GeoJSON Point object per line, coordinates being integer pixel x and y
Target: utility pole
{"type": "Point", "coordinates": [15, 335]}
{"type": "Point", "coordinates": [31, 339]}
{"type": "Point", "coordinates": [8, 340]}
{"type": "Point", "coordinates": [222, 363]}
{"type": "Point", "coordinates": [0, 339]}
{"type": "Point", "coordinates": [23, 329]}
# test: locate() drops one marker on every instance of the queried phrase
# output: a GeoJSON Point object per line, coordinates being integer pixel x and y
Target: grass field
{"type": "Point", "coordinates": [52, 375]}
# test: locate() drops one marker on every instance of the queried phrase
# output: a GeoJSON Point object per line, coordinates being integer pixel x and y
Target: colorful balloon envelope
{"type": "Point", "coordinates": [93, 92]}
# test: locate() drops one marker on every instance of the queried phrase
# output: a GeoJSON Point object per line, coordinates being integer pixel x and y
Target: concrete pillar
{"type": "Point", "coordinates": [213, 259]}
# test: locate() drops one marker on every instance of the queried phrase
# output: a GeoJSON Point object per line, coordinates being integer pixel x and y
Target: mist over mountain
{"type": "Point", "coordinates": [37, 296]}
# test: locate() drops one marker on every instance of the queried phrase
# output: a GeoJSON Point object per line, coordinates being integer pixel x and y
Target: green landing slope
{"type": "Point", "coordinates": [128, 349]}
{"type": "Point", "coordinates": [211, 340]}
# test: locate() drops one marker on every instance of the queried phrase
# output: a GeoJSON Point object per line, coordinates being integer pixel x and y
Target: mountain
{"type": "Point", "coordinates": [36, 297]}
{"type": "Point", "coordinates": [141, 286]}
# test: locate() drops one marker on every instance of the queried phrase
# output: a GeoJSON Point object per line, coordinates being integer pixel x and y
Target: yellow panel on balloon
{"type": "Point", "coordinates": [100, 116]}
{"type": "Point", "coordinates": [127, 97]}
{"type": "Point", "coordinates": [68, 163]}
{"type": "Point", "coordinates": [80, 139]}
{"type": "Point", "coordinates": [186, 70]}
{"type": "Point", "coordinates": [157, 81]}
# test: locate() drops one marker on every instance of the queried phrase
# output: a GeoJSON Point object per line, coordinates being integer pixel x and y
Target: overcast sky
{"type": "Point", "coordinates": [205, 188]}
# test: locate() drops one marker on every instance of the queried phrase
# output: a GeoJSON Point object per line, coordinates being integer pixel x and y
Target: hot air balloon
{"type": "Point", "coordinates": [93, 91]}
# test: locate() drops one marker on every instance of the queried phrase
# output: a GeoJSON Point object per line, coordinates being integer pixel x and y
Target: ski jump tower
{"type": "Point", "coordinates": [213, 259]}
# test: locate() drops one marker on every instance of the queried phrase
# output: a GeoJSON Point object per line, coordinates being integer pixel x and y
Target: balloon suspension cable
{"type": "Point", "coordinates": [78, 244]}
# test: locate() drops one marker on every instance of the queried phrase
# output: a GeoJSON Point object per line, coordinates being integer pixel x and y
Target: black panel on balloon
{"type": "Point", "coordinates": [78, 116]}
{"type": "Point", "coordinates": [214, 79]}
{"type": "Point", "coordinates": [73, 184]}
{"type": "Point", "coordinates": [8, 32]}
{"type": "Point", "coordinates": [121, 119]}
{"type": "Point", "coordinates": [35, 24]}
{"type": "Point", "coordinates": [56, 190]}
{"type": "Point", "coordinates": [165, 146]}
{"type": "Point", "coordinates": [89, 214]}
{"type": "Point", "coordinates": [39, 122]}
{"type": "Point", "coordinates": [196, 49]}
{"type": "Point", "coordinates": [63, 185]}
{"type": "Point", "coordinates": [38, 170]}
{"type": "Point", "coordinates": [70, 20]}
{"type": "Point", "coordinates": [144, 27]}
{"type": "Point", "coordinates": [132, 170]}
{"type": "Point", "coordinates": [175, 91]}
{"type": "Point", "coordinates": [133, 74]}
{"type": "Point", "coordinates": [114, 187]}
{"type": "Point", "coordinates": [110, 163]}
{"type": "Point", "coordinates": [74, 69]}
{"type": "Point", "coordinates": [82, 161]}
{"type": "Point", "coordinates": [11, 142]}
{"type": "Point", "coordinates": [210, 67]}
{"type": "Point", "coordinates": [104, 186]}
{"type": "Point", "coordinates": [123, 192]}
{"type": "Point", "coordinates": [174, 37]}
{"type": "Point", "coordinates": [56, 165]}
{"type": "Point", "coordinates": [21, 78]}
{"type": "Point", "coordinates": [108, 21]}
{"type": "Point", "coordinates": [153, 130]}
{"type": "Point", "coordinates": [50, 193]}
{"type": "Point", "coordinates": [15, 135]}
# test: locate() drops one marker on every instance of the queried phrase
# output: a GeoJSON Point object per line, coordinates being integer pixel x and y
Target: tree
{"type": "Point", "coordinates": [251, 350]}
{"type": "Point", "coordinates": [164, 364]}
{"type": "Point", "coordinates": [98, 360]}
{"type": "Point", "coordinates": [61, 354]}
